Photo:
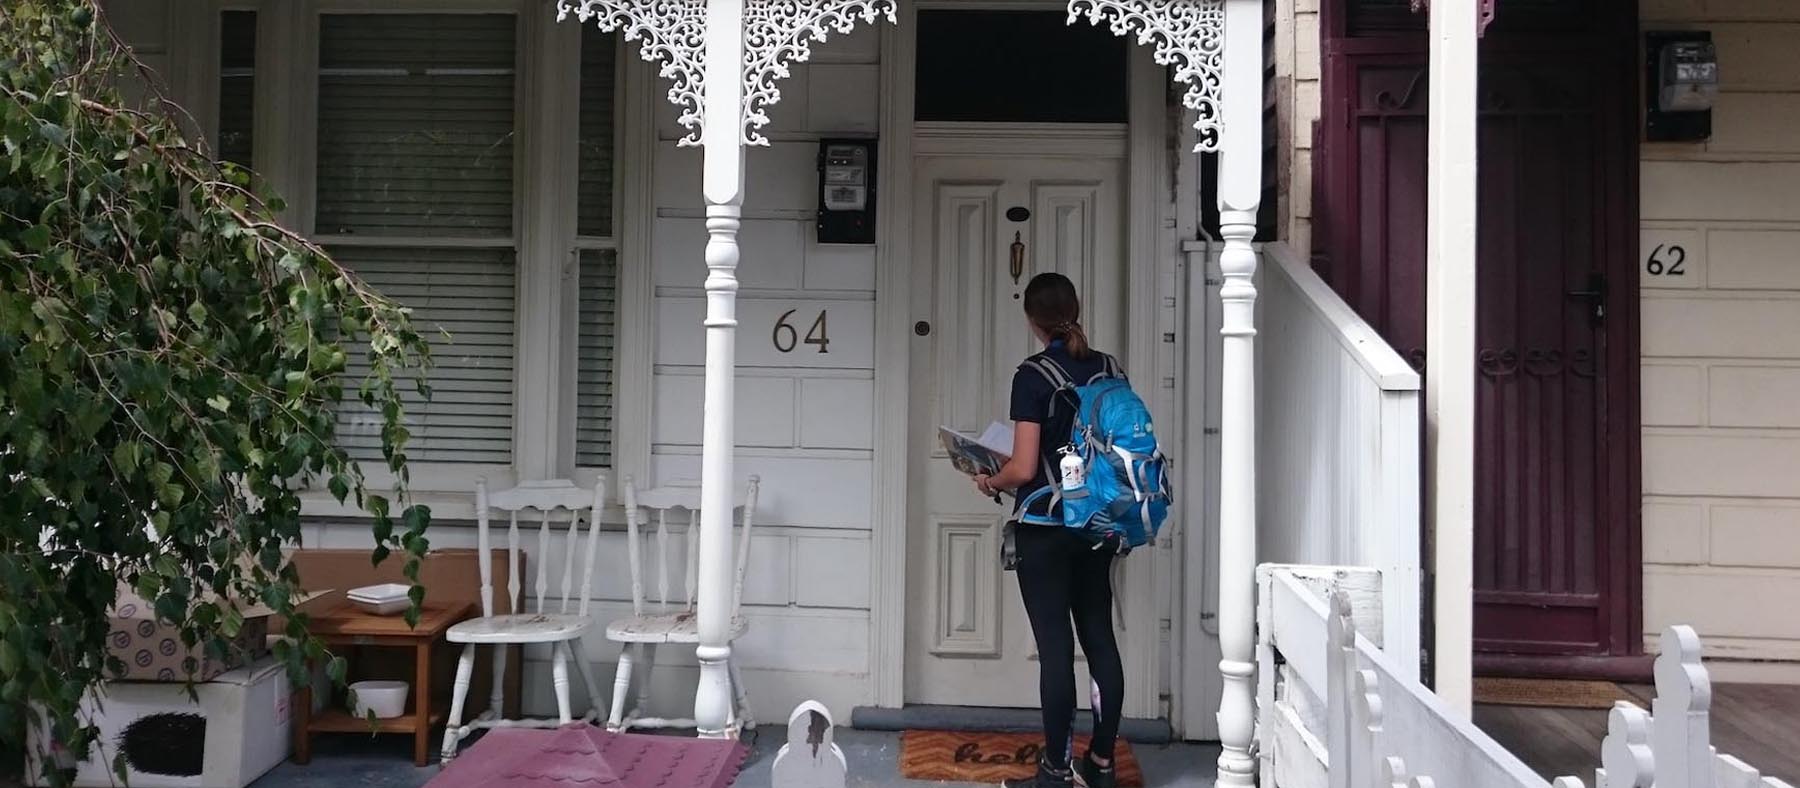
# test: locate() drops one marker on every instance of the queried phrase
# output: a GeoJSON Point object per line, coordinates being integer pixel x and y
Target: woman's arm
{"type": "Point", "coordinates": [1022, 467]}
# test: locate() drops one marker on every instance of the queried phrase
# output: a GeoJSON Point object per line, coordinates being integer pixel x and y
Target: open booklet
{"type": "Point", "coordinates": [978, 454]}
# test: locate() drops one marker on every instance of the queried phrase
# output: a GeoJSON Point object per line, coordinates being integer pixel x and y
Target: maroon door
{"type": "Point", "coordinates": [1556, 551]}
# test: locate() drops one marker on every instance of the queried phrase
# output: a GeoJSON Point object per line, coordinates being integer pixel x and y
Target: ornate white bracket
{"type": "Point", "coordinates": [1187, 34]}
{"type": "Point", "coordinates": [776, 33]}
{"type": "Point", "coordinates": [673, 33]}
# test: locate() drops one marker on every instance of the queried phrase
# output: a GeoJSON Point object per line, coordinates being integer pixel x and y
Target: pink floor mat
{"type": "Point", "coordinates": [583, 756]}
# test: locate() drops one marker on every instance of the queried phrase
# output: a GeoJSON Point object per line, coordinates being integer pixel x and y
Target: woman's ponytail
{"type": "Point", "coordinates": [1052, 305]}
{"type": "Point", "coordinates": [1075, 339]}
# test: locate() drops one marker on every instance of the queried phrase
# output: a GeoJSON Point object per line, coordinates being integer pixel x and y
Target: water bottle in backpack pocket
{"type": "Point", "coordinates": [1112, 480]}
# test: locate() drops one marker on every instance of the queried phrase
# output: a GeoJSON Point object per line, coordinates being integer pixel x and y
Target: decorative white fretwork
{"type": "Point", "coordinates": [1187, 34]}
{"type": "Point", "coordinates": [779, 32]}
{"type": "Point", "coordinates": [673, 33]}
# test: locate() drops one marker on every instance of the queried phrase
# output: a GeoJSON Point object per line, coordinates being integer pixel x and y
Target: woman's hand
{"type": "Point", "coordinates": [984, 483]}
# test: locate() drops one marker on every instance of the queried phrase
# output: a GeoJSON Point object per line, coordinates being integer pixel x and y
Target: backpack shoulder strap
{"type": "Point", "coordinates": [1053, 373]}
{"type": "Point", "coordinates": [1109, 370]}
{"type": "Point", "coordinates": [1112, 368]}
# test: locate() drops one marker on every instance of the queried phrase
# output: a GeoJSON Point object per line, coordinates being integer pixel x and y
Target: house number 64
{"type": "Point", "coordinates": [786, 337]}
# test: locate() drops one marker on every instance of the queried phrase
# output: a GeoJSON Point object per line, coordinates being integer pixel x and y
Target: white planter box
{"type": "Point", "coordinates": [239, 729]}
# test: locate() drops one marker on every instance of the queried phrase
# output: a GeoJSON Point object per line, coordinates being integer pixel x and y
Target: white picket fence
{"type": "Point", "coordinates": [1336, 712]}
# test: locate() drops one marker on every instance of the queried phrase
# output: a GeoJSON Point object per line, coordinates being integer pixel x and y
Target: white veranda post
{"type": "Point", "coordinates": [1450, 309]}
{"type": "Point", "coordinates": [723, 59]}
{"type": "Point", "coordinates": [1240, 192]}
{"type": "Point", "coordinates": [723, 186]}
{"type": "Point", "coordinates": [1215, 48]}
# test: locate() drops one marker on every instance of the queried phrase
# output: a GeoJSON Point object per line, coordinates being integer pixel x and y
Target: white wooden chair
{"type": "Point", "coordinates": [668, 622]}
{"type": "Point", "coordinates": [563, 624]}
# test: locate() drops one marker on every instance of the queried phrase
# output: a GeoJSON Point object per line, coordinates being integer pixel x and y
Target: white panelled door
{"type": "Point", "coordinates": [968, 641]}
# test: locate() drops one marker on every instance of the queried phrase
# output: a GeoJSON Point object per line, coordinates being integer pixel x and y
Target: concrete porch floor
{"type": "Point", "coordinates": [355, 761]}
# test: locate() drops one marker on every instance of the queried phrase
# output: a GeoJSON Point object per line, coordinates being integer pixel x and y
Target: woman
{"type": "Point", "coordinates": [1062, 576]}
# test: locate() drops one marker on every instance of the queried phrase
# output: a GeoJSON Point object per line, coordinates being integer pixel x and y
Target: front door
{"type": "Point", "coordinates": [984, 226]}
{"type": "Point", "coordinates": [1555, 520]}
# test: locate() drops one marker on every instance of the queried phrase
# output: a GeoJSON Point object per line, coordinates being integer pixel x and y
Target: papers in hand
{"type": "Point", "coordinates": [978, 454]}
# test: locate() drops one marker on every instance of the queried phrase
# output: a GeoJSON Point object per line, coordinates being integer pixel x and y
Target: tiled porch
{"type": "Point", "coordinates": [1758, 723]}
{"type": "Point", "coordinates": [351, 761]}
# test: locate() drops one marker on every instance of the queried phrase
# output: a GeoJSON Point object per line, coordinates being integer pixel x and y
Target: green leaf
{"type": "Point", "coordinates": [126, 455]}
{"type": "Point", "coordinates": [9, 659]}
{"type": "Point", "coordinates": [336, 669]}
{"type": "Point", "coordinates": [36, 237]}
{"type": "Point", "coordinates": [417, 518]}
{"type": "Point", "coordinates": [219, 403]}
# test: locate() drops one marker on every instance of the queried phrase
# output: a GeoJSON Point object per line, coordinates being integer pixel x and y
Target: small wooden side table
{"type": "Point", "coordinates": [347, 625]}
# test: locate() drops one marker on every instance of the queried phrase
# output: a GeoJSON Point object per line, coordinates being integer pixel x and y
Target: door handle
{"type": "Point", "coordinates": [1018, 258]}
{"type": "Point", "coordinates": [1594, 295]}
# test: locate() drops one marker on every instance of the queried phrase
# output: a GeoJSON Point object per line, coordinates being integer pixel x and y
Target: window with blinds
{"type": "Point", "coordinates": [237, 86]}
{"type": "Point", "coordinates": [416, 125]}
{"type": "Point", "coordinates": [599, 271]}
{"type": "Point", "coordinates": [594, 204]}
{"type": "Point", "coordinates": [415, 194]}
{"type": "Point", "coordinates": [598, 314]}
{"type": "Point", "coordinates": [467, 294]}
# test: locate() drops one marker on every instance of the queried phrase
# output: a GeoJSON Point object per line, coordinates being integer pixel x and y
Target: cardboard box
{"type": "Point", "coordinates": [152, 650]}
{"type": "Point", "coordinates": [239, 729]}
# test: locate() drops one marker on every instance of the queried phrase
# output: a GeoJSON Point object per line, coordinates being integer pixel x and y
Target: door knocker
{"type": "Point", "coordinates": [1018, 258]}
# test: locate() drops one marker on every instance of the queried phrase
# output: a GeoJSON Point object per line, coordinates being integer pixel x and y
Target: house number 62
{"type": "Point", "coordinates": [1666, 260]}
{"type": "Point", "coordinates": [786, 337]}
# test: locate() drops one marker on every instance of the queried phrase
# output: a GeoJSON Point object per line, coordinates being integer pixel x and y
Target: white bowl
{"type": "Point", "coordinates": [385, 698]}
{"type": "Point", "coordinates": [381, 593]}
{"type": "Point", "coordinates": [386, 607]}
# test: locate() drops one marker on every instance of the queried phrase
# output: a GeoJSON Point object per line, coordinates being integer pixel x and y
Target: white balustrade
{"type": "Point", "coordinates": [1338, 712]}
{"type": "Point", "coordinates": [1337, 445]}
{"type": "Point", "coordinates": [1670, 746]}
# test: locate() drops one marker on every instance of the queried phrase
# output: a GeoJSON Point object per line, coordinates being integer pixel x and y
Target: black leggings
{"type": "Point", "coordinates": [1062, 577]}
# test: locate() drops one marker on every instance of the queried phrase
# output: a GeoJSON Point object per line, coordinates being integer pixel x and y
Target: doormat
{"type": "Point", "coordinates": [1554, 693]}
{"type": "Point", "coordinates": [975, 757]}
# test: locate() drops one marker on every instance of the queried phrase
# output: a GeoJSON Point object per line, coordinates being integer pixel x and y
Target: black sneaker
{"type": "Point", "coordinates": [1047, 777]}
{"type": "Point", "coordinates": [1092, 775]}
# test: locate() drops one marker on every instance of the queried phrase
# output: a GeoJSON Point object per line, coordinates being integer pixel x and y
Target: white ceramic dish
{"type": "Point", "coordinates": [379, 593]}
{"type": "Point", "coordinates": [385, 607]}
{"type": "Point", "coordinates": [386, 698]}
{"type": "Point", "coordinates": [382, 600]}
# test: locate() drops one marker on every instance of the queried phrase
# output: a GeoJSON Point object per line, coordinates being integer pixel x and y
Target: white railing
{"type": "Point", "coordinates": [1337, 712]}
{"type": "Point", "coordinates": [1337, 445]}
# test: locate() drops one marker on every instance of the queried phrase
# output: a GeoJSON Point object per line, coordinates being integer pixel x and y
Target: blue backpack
{"type": "Point", "coordinates": [1124, 494]}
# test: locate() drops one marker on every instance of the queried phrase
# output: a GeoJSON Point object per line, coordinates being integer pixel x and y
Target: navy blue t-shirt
{"type": "Point", "coordinates": [1031, 402]}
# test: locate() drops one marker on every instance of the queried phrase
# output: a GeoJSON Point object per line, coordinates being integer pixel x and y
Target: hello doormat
{"type": "Point", "coordinates": [968, 756]}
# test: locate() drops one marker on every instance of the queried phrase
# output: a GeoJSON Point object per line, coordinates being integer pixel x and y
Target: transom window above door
{"type": "Point", "coordinates": [1018, 67]}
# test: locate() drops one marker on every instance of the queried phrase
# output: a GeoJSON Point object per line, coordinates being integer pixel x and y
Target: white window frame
{"type": "Point", "coordinates": [546, 113]}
